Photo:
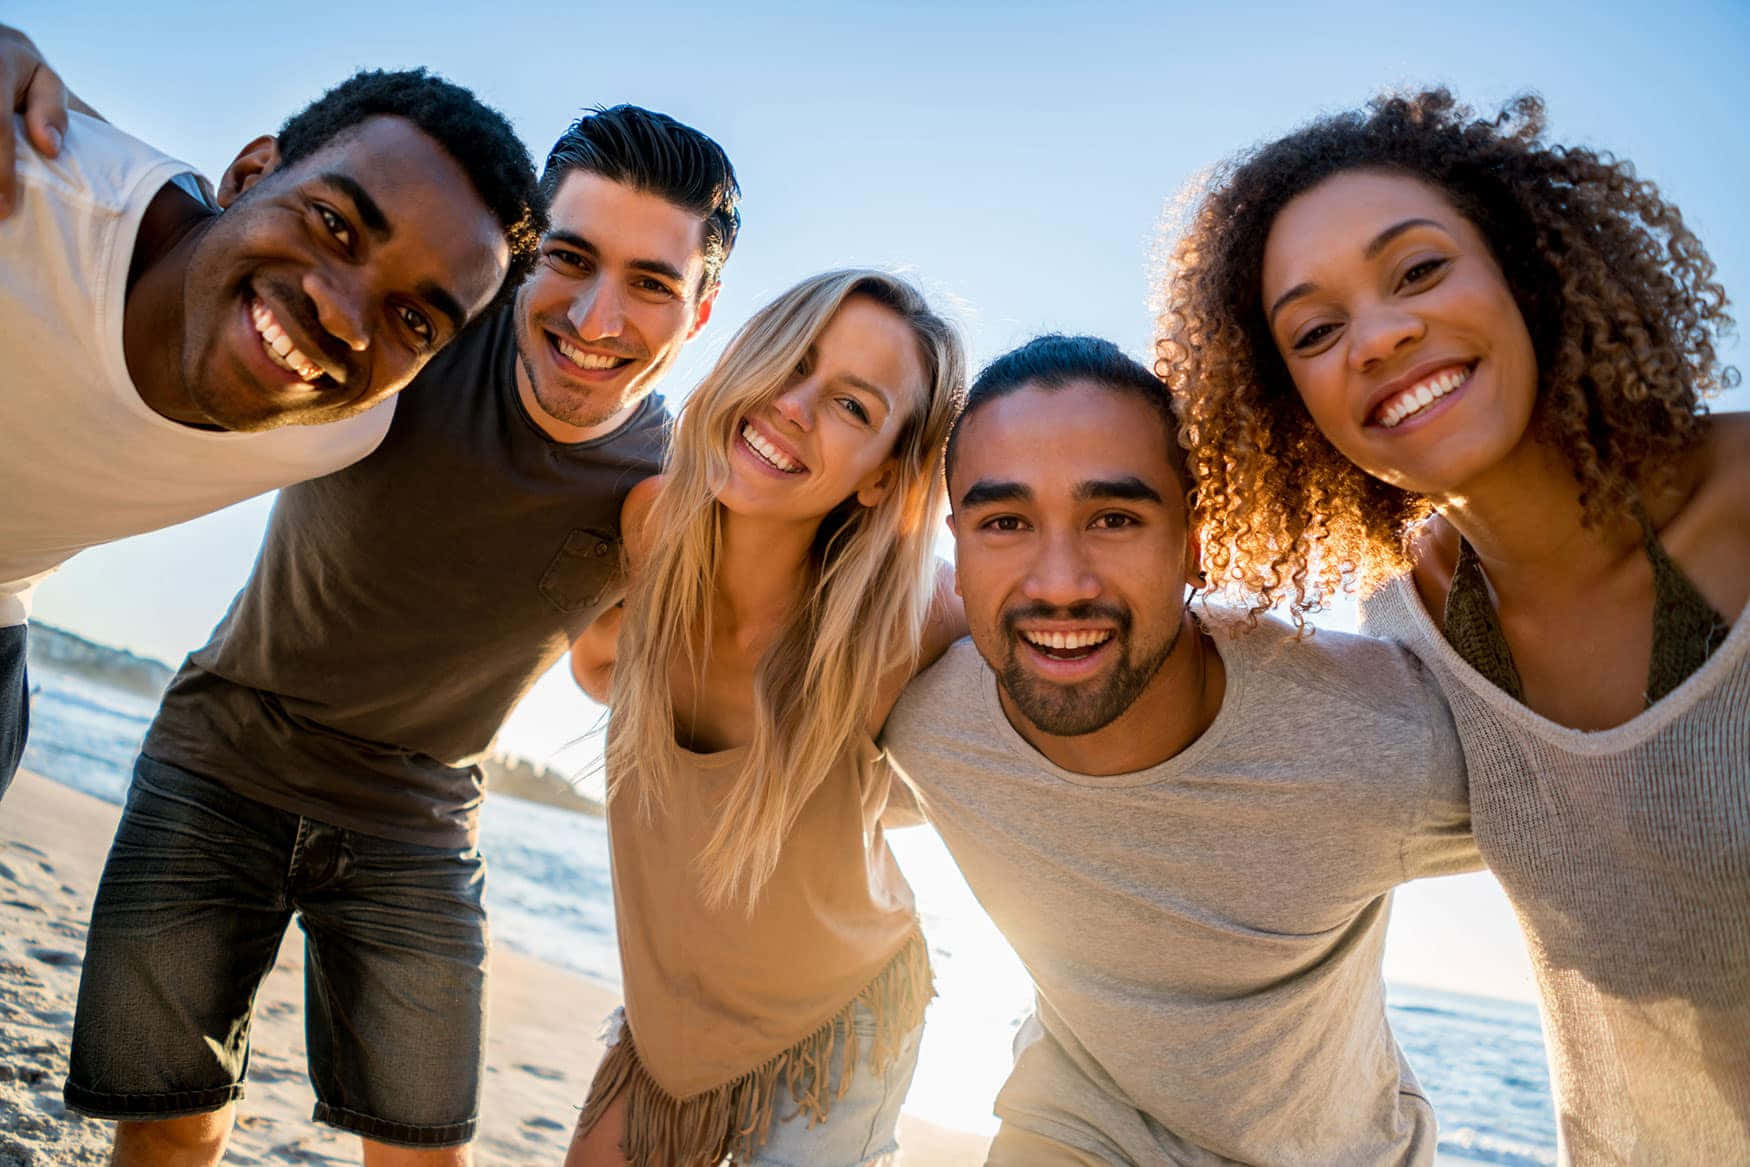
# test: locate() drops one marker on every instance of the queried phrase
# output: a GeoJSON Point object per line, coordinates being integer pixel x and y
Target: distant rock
{"type": "Point", "coordinates": [61, 651]}
{"type": "Point", "coordinates": [521, 778]}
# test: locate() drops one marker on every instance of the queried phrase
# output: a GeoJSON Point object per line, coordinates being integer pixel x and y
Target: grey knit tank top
{"type": "Point", "coordinates": [1626, 854]}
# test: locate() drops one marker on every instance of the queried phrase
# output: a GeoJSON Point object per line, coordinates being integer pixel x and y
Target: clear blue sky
{"type": "Point", "coordinates": [1015, 157]}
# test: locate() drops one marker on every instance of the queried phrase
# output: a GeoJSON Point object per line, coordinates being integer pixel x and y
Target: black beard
{"type": "Point", "coordinates": [1074, 710]}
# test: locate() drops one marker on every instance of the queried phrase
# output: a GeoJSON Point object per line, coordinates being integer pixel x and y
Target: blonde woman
{"type": "Point", "coordinates": [783, 590]}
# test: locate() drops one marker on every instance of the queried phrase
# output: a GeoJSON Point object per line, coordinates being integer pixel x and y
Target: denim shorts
{"type": "Point", "coordinates": [860, 1127]}
{"type": "Point", "coordinates": [195, 897]}
{"type": "Point", "coordinates": [14, 702]}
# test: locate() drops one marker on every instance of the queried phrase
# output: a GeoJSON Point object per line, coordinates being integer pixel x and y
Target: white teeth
{"type": "Point", "coordinates": [279, 346]}
{"type": "Point", "coordinates": [1066, 641]}
{"type": "Point", "coordinates": [585, 360]}
{"type": "Point", "coordinates": [768, 451]}
{"type": "Point", "coordinates": [1419, 397]}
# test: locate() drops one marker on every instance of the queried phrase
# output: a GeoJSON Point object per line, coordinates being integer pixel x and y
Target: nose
{"type": "Point", "coordinates": [796, 404]}
{"type": "Point", "coordinates": [597, 311]}
{"type": "Point", "coordinates": [1061, 573]}
{"type": "Point", "coordinates": [340, 308]}
{"type": "Point", "coordinates": [1380, 332]}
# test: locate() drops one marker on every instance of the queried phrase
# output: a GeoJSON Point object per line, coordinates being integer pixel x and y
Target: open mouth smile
{"type": "Point", "coordinates": [1074, 645]}
{"type": "Point", "coordinates": [1419, 398]}
{"type": "Point", "coordinates": [587, 361]}
{"type": "Point", "coordinates": [768, 452]}
{"type": "Point", "coordinates": [279, 347]}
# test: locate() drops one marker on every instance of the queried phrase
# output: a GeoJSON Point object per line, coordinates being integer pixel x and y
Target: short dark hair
{"type": "Point", "coordinates": [652, 152]}
{"type": "Point", "coordinates": [473, 133]}
{"type": "Point", "coordinates": [1054, 361]}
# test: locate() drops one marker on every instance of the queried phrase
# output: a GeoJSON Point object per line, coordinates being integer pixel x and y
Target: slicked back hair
{"type": "Point", "coordinates": [652, 152]}
{"type": "Point", "coordinates": [1055, 361]}
{"type": "Point", "coordinates": [473, 133]}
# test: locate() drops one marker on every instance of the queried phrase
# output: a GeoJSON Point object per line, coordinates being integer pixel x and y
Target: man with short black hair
{"type": "Point", "coordinates": [1188, 830]}
{"type": "Point", "coordinates": [166, 357]}
{"type": "Point", "coordinates": [318, 755]}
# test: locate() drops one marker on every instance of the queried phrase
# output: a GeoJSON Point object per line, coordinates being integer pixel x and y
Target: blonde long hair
{"type": "Point", "coordinates": [863, 608]}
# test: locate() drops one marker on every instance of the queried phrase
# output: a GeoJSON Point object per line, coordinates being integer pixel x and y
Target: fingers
{"type": "Point", "coordinates": [45, 111]}
{"type": "Point", "coordinates": [8, 181]}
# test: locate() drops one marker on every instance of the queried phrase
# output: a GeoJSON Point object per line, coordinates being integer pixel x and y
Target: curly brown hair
{"type": "Point", "coordinates": [1618, 295]}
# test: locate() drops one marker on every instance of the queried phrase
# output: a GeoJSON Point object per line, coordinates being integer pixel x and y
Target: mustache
{"type": "Point", "coordinates": [1119, 617]}
{"type": "Point", "coordinates": [561, 327]}
{"type": "Point", "coordinates": [290, 300]}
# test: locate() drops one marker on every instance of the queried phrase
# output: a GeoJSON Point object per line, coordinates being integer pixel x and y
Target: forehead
{"type": "Point", "coordinates": [869, 340]}
{"type": "Point", "coordinates": [1334, 220]}
{"type": "Point", "coordinates": [1052, 440]}
{"type": "Point", "coordinates": [439, 228]}
{"type": "Point", "coordinates": [625, 224]}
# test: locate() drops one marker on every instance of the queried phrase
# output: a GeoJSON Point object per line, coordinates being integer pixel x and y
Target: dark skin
{"type": "Point", "coordinates": [367, 256]}
{"type": "Point", "coordinates": [370, 254]}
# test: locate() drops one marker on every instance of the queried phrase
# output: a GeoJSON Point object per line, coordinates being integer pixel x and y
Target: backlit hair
{"type": "Point", "coordinates": [871, 580]}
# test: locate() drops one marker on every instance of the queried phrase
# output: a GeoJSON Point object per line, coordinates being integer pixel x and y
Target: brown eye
{"type": "Point", "coordinates": [1424, 270]}
{"type": "Point", "coordinates": [336, 225]}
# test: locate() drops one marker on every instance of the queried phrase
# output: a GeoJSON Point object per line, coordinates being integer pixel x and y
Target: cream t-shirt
{"type": "Point", "coordinates": [83, 460]}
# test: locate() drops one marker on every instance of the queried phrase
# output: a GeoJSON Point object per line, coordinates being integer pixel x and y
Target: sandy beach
{"type": "Point", "coordinates": [541, 1047]}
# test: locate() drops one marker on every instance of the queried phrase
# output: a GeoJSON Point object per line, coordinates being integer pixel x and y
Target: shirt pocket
{"type": "Point", "coordinates": [583, 570]}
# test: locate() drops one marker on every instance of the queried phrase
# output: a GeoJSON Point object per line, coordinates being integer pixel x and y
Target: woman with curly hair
{"type": "Point", "coordinates": [1463, 368]}
{"type": "Point", "coordinates": [783, 590]}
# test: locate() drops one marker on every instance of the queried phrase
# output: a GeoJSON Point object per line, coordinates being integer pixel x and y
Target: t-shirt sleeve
{"type": "Point", "coordinates": [1439, 839]}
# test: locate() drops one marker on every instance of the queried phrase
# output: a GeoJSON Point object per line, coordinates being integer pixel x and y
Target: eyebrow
{"type": "Point", "coordinates": [441, 299]}
{"type": "Point", "coordinates": [657, 267]}
{"type": "Point", "coordinates": [1129, 489]}
{"type": "Point", "coordinates": [1371, 251]}
{"type": "Point", "coordinates": [377, 224]}
{"type": "Point", "coordinates": [986, 491]}
{"type": "Point", "coordinates": [369, 213]}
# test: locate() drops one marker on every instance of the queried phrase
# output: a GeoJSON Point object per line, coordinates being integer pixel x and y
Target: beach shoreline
{"type": "Point", "coordinates": [542, 1044]}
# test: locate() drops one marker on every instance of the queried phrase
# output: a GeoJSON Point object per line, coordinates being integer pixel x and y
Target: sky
{"type": "Point", "coordinates": [1020, 160]}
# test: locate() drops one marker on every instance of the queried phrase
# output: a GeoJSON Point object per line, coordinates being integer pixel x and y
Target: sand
{"type": "Point", "coordinates": [541, 1042]}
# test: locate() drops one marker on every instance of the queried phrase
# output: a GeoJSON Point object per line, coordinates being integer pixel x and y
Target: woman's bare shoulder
{"type": "Point", "coordinates": [635, 515]}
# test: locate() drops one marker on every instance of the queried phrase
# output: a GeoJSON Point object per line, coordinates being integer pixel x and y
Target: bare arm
{"type": "Point", "coordinates": [594, 651]}
{"type": "Point", "coordinates": [945, 624]}
{"type": "Point", "coordinates": [42, 97]}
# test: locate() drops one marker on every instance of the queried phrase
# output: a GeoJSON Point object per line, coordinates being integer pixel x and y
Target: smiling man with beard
{"type": "Point", "coordinates": [1187, 828]}
{"type": "Point", "coordinates": [318, 757]}
{"type": "Point", "coordinates": [166, 357]}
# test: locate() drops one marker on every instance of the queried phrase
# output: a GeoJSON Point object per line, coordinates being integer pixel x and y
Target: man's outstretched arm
{"type": "Point", "coordinates": [39, 94]}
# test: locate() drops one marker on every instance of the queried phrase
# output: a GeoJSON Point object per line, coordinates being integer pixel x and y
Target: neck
{"type": "Point", "coordinates": [760, 571]}
{"type": "Point", "coordinates": [564, 431]}
{"type": "Point", "coordinates": [1177, 706]}
{"type": "Point", "coordinates": [154, 312]}
{"type": "Point", "coordinates": [1523, 519]}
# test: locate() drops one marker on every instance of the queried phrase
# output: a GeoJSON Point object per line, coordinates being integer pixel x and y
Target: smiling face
{"type": "Point", "coordinates": [1070, 551]}
{"type": "Point", "coordinates": [326, 285]}
{"type": "Point", "coordinates": [1399, 331]}
{"type": "Point", "coordinates": [829, 433]}
{"type": "Point", "coordinates": [617, 292]}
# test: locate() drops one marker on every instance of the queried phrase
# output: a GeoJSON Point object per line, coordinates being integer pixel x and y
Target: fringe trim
{"type": "Point", "coordinates": [732, 1120]}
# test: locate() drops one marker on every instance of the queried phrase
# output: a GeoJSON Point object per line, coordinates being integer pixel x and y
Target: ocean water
{"type": "Point", "coordinates": [1480, 1059]}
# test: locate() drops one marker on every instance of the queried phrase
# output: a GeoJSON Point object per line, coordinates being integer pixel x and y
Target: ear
{"type": "Point", "coordinates": [256, 161]}
{"type": "Point", "coordinates": [877, 485]}
{"type": "Point", "coordinates": [702, 314]}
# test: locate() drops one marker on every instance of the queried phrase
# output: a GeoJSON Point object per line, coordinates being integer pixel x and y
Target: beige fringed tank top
{"type": "Point", "coordinates": [720, 1004]}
